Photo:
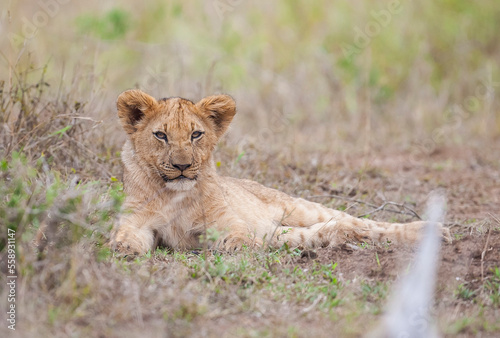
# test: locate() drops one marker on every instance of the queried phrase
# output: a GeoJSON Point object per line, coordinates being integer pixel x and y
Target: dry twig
{"type": "Point", "coordinates": [483, 254]}
{"type": "Point", "coordinates": [485, 249]}
{"type": "Point", "coordinates": [409, 211]}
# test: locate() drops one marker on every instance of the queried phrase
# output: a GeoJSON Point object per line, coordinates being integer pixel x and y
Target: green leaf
{"type": "Point", "coordinates": [239, 157]}
{"type": "Point", "coordinates": [60, 132]}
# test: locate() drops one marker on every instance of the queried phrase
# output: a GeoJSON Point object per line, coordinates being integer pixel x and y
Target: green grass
{"type": "Point", "coordinates": [464, 293]}
{"type": "Point", "coordinates": [492, 288]}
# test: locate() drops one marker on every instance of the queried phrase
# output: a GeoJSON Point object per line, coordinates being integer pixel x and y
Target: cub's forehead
{"type": "Point", "coordinates": [177, 112]}
{"type": "Point", "coordinates": [175, 103]}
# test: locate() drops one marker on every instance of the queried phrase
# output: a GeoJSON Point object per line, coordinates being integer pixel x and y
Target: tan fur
{"type": "Point", "coordinates": [161, 208]}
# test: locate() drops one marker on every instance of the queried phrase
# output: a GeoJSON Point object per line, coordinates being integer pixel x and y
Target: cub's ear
{"type": "Point", "coordinates": [220, 109]}
{"type": "Point", "coordinates": [133, 105]}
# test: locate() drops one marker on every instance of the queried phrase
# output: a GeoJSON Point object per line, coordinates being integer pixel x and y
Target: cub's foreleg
{"type": "Point", "coordinates": [133, 235]}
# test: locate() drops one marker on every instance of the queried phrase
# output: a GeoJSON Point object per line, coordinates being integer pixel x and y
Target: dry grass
{"type": "Point", "coordinates": [414, 110]}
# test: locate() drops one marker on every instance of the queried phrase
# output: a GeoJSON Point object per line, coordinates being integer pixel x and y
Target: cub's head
{"type": "Point", "coordinates": [173, 138]}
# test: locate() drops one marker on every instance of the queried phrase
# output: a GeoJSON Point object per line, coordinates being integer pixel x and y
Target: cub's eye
{"type": "Point", "coordinates": [196, 134]}
{"type": "Point", "coordinates": [160, 136]}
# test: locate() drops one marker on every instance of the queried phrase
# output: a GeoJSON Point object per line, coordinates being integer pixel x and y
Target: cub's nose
{"type": "Point", "coordinates": [181, 167]}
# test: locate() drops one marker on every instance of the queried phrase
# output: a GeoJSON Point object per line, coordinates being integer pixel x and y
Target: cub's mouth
{"type": "Point", "coordinates": [180, 177]}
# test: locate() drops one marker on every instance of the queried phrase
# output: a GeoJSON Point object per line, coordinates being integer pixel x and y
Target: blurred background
{"type": "Point", "coordinates": [323, 75]}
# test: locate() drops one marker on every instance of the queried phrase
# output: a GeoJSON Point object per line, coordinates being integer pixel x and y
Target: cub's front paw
{"type": "Point", "coordinates": [125, 250]}
{"type": "Point", "coordinates": [234, 242]}
{"type": "Point", "coordinates": [131, 241]}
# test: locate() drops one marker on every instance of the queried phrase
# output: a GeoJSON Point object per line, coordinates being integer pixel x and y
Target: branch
{"type": "Point", "coordinates": [409, 211]}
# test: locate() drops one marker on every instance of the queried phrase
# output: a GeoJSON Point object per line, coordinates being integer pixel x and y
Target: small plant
{"type": "Point", "coordinates": [492, 287]}
{"type": "Point", "coordinates": [463, 292]}
{"type": "Point", "coordinates": [364, 245]}
{"type": "Point", "coordinates": [374, 291]}
{"type": "Point", "coordinates": [239, 157]}
{"type": "Point", "coordinates": [377, 259]}
{"type": "Point", "coordinates": [342, 207]}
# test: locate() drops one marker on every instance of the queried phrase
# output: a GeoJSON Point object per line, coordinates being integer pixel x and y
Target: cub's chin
{"type": "Point", "coordinates": [181, 184]}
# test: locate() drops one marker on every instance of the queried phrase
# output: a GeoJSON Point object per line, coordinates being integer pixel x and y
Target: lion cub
{"type": "Point", "coordinates": [173, 192]}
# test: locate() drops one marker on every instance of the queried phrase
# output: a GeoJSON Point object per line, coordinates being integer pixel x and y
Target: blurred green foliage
{"type": "Point", "coordinates": [112, 25]}
{"type": "Point", "coordinates": [34, 197]}
{"type": "Point", "coordinates": [419, 49]}
{"type": "Point", "coordinates": [283, 35]}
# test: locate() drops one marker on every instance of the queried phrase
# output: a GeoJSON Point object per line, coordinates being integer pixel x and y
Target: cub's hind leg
{"type": "Point", "coordinates": [333, 233]}
{"type": "Point", "coordinates": [311, 224]}
{"type": "Point", "coordinates": [323, 234]}
{"type": "Point", "coordinates": [298, 212]}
